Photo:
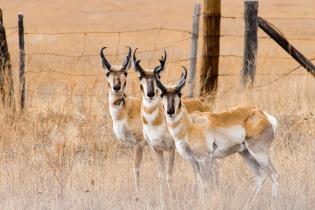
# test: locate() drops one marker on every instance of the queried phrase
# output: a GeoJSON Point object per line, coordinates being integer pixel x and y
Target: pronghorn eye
{"type": "Point", "coordinates": [107, 74]}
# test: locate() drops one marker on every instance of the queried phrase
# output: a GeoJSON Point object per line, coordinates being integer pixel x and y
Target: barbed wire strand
{"type": "Point", "coordinates": [113, 54]}
{"type": "Point", "coordinates": [272, 18]}
{"type": "Point", "coordinates": [281, 77]}
{"type": "Point", "coordinates": [110, 32]}
{"type": "Point", "coordinates": [266, 37]}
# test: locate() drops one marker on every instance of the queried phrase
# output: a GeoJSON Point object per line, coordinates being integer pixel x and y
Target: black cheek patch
{"type": "Point", "coordinates": [108, 84]}
{"type": "Point", "coordinates": [141, 88]}
{"type": "Point", "coordinates": [125, 73]}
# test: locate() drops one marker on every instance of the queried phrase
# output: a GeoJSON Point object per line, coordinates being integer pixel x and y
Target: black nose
{"type": "Point", "coordinates": [116, 87]}
{"type": "Point", "coordinates": [170, 111]}
{"type": "Point", "coordinates": [150, 94]}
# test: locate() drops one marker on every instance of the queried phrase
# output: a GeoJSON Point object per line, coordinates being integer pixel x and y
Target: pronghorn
{"type": "Point", "coordinates": [124, 111]}
{"type": "Point", "coordinates": [154, 123]}
{"type": "Point", "coordinates": [201, 137]}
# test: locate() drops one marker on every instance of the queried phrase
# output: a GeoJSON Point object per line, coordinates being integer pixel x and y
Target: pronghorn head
{"type": "Point", "coordinates": [172, 95]}
{"type": "Point", "coordinates": [116, 75]}
{"type": "Point", "coordinates": [147, 77]}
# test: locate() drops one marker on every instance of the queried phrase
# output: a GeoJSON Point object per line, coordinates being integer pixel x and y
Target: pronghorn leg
{"type": "Point", "coordinates": [137, 156]}
{"type": "Point", "coordinates": [215, 171]}
{"type": "Point", "coordinates": [265, 163]}
{"type": "Point", "coordinates": [211, 168]}
{"type": "Point", "coordinates": [194, 167]}
{"type": "Point", "coordinates": [259, 149]}
{"type": "Point", "coordinates": [171, 159]}
{"type": "Point", "coordinates": [201, 175]}
{"type": "Point", "coordinates": [160, 159]}
{"type": "Point", "coordinates": [253, 165]}
{"type": "Point", "coordinates": [259, 173]}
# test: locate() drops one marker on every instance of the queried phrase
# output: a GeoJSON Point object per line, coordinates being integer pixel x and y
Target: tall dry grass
{"type": "Point", "coordinates": [69, 159]}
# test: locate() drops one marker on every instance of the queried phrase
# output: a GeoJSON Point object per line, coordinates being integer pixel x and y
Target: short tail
{"type": "Point", "coordinates": [273, 121]}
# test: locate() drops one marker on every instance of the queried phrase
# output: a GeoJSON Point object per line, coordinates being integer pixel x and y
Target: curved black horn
{"type": "Point", "coordinates": [182, 80]}
{"type": "Point", "coordinates": [138, 68]}
{"type": "Point", "coordinates": [159, 68]}
{"type": "Point", "coordinates": [126, 62]}
{"type": "Point", "coordinates": [104, 61]}
{"type": "Point", "coordinates": [158, 82]}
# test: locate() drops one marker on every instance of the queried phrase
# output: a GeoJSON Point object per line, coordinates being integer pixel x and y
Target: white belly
{"type": "Point", "coordinates": [226, 137]}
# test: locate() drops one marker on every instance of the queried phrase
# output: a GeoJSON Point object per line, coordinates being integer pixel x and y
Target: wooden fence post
{"type": "Point", "coordinates": [6, 79]}
{"type": "Point", "coordinates": [250, 43]}
{"type": "Point", "coordinates": [22, 60]}
{"type": "Point", "coordinates": [194, 49]}
{"type": "Point", "coordinates": [211, 49]}
{"type": "Point", "coordinates": [285, 44]}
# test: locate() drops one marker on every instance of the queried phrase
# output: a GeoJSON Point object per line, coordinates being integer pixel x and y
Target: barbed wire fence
{"type": "Point", "coordinates": [13, 30]}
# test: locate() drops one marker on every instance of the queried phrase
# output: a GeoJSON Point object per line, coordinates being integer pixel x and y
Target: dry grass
{"type": "Point", "coordinates": [61, 153]}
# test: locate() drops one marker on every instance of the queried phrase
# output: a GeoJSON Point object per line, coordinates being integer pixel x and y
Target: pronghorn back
{"type": "Point", "coordinates": [252, 119]}
{"type": "Point", "coordinates": [193, 105]}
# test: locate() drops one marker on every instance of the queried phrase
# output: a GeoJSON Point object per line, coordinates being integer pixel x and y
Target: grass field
{"type": "Point", "coordinates": [61, 153]}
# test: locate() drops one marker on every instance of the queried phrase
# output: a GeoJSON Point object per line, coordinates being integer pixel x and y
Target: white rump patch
{"type": "Point", "coordinates": [273, 121]}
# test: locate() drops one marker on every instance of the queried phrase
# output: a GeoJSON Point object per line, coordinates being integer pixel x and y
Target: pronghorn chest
{"type": "Point", "coordinates": [120, 125]}
{"type": "Point", "coordinates": [155, 130]}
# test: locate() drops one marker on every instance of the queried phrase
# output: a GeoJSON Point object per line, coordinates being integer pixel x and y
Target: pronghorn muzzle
{"type": "Point", "coordinates": [150, 88]}
{"type": "Point", "coordinates": [170, 105]}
